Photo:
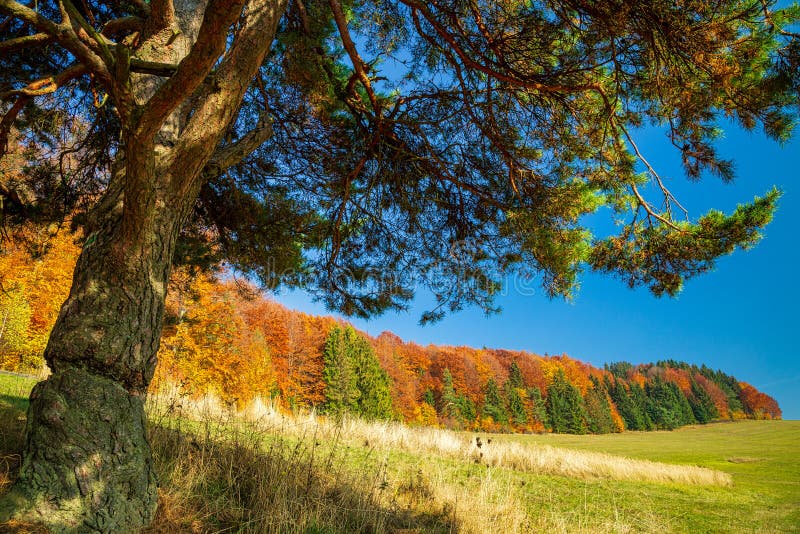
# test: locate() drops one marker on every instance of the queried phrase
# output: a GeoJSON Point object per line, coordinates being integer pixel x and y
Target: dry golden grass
{"type": "Point", "coordinates": [262, 470]}
{"type": "Point", "coordinates": [531, 458]}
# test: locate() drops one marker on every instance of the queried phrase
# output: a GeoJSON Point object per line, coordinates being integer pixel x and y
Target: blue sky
{"type": "Point", "coordinates": [741, 318]}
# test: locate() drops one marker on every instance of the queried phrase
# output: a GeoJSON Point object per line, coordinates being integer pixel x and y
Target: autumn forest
{"type": "Point", "coordinates": [223, 337]}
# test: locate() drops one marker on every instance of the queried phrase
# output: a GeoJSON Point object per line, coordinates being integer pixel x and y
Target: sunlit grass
{"type": "Point", "coordinates": [262, 470]}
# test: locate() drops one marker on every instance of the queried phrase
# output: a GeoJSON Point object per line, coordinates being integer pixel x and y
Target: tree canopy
{"type": "Point", "coordinates": [386, 146]}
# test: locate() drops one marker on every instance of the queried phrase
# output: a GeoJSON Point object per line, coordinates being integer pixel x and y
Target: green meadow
{"type": "Point", "coordinates": [262, 471]}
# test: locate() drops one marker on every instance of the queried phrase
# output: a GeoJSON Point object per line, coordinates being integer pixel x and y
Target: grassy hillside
{"type": "Point", "coordinates": [262, 471]}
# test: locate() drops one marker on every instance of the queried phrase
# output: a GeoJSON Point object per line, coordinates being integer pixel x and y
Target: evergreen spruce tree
{"type": "Point", "coordinates": [375, 399]}
{"type": "Point", "coordinates": [565, 409]}
{"type": "Point", "coordinates": [598, 409]}
{"type": "Point", "coordinates": [622, 400]}
{"type": "Point", "coordinates": [640, 404]}
{"type": "Point", "coordinates": [493, 403]}
{"type": "Point", "coordinates": [514, 391]}
{"type": "Point", "coordinates": [685, 409]}
{"type": "Point", "coordinates": [667, 405]}
{"type": "Point", "coordinates": [449, 405]}
{"type": "Point", "coordinates": [538, 411]}
{"type": "Point", "coordinates": [702, 404]}
{"type": "Point", "coordinates": [339, 374]}
{"type": "Point", "coordinates": [515, 379]}
{"type": "Point", "coordinates": [429, 398]}
{"type": "Point", "coordinates": [516, 407]}
{"type": "Point", "coordinates": [468, 411]}
{"type": "Point", "coordinates": [354, 379]}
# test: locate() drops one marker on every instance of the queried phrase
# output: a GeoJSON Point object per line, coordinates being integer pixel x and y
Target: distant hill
{"type": "Point", "coordinates": [226, 338]}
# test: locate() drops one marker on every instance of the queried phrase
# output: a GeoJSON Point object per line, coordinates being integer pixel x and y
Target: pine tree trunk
{"type": "Point", "coordinates": [87, 466]}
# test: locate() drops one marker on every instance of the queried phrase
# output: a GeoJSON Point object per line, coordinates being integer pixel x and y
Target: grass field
{"type": "Point", "coordinates": [263, 472]}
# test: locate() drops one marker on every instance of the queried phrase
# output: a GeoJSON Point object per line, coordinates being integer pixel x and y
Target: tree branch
{"type": "Point", "coordinates": [358, 63]}
{"type": "Point", "coordinates": [122, 25]}
{"type": "Point", "coordinates": [511, 78]}
{"type": "Point", "coordinates": [64, 34]}
{"type": "Point", "coordinates": [153, 67]}
{"type": "Point", "coordinates": [193, 69]}
{"type": "Point", "coordinates": [27, 41]}
{"type": "Point", "coordinates": [39, 87]}
{"type": "Point", "coordinates": [217, 104]}
{"type": "Point", "coordinates": [232, 154]}
{"type": "Point", "coordinates": [46, 85]}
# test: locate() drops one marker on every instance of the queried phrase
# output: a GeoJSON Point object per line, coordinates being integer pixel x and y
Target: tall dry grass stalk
{"type": "Point", "coordinates": [531, 458]}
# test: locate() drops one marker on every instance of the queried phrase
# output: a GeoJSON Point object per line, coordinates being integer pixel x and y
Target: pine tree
{"type": "Point", "coordinates": [201, 147]}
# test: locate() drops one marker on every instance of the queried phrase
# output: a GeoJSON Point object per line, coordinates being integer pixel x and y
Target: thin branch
{"type": "Point", "coordinates": [232, 154]}
{"type": "Point", "coordinates": [469, 62]}
{"type": "Point", "coordinates": [47, 85]}
{"type": "Point", "coordinates": [358, 64]}
{"type": "Point", "coordinates": [39, 87]}
{"type": "Point", "coordinates": [80, 25]}
{"type": "Point", "coordinates": [27, 41]}
{"type": "Point", "coordinates": [651, 212]}
{"type": "Point", "coordinates": [670, 198]}
{"type": "Point", "coordinates": [65, 36]}
{"type": "Point", "coordinates": [122, 25]}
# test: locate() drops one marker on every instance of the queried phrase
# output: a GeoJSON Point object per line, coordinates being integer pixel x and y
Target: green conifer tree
{"type": "Point", "coordinates": [375, 399]}
{"type": "Point", "coordinates": [354, 379]}
{"type": "Point", "coordinates": [598, 409]}
{"type": "Point", "coordinates": [514, 390]}
{"type": "Point", "coordinates": [515, 379]}
{"type": "Point", "coordinates": [493, 403]}
{"type": "Point", "coordinates": [449, 405]}
{"type": "Point", "coordinates": [565, 409]}
{"type": "Point", "coordinates": [339, 374]}
{"type": "Point", "coordinates": [702, 404]}
{"type": "Point", "coordinates": [538, 406]}
{"type": "Point", "coordinates": [640, 406]}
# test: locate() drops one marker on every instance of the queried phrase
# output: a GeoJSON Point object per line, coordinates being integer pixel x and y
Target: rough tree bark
{"type": "Point", "coordinates": [87, 466]}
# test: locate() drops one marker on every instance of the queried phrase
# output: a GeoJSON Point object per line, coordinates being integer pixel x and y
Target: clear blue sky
{"type": "Point", "coordinates": [741, 318]}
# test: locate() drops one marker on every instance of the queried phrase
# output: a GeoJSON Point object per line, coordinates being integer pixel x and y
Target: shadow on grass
{"type": "Point", "coordinates": [215, 478]}
{"type": "Point", "coordinates": [240, 479]}
{"type": "Point", "coordinates": [14, 402]}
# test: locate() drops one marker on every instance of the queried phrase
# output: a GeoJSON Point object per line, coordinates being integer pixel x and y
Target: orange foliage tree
{"type": "Point", "coordinates": [757, 404]}
{"type": "Point", "coordinates": [36, 267]}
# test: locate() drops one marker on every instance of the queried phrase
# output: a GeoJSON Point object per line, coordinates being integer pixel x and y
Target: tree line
{"type": "Point", "coordinates": [222, 336]}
